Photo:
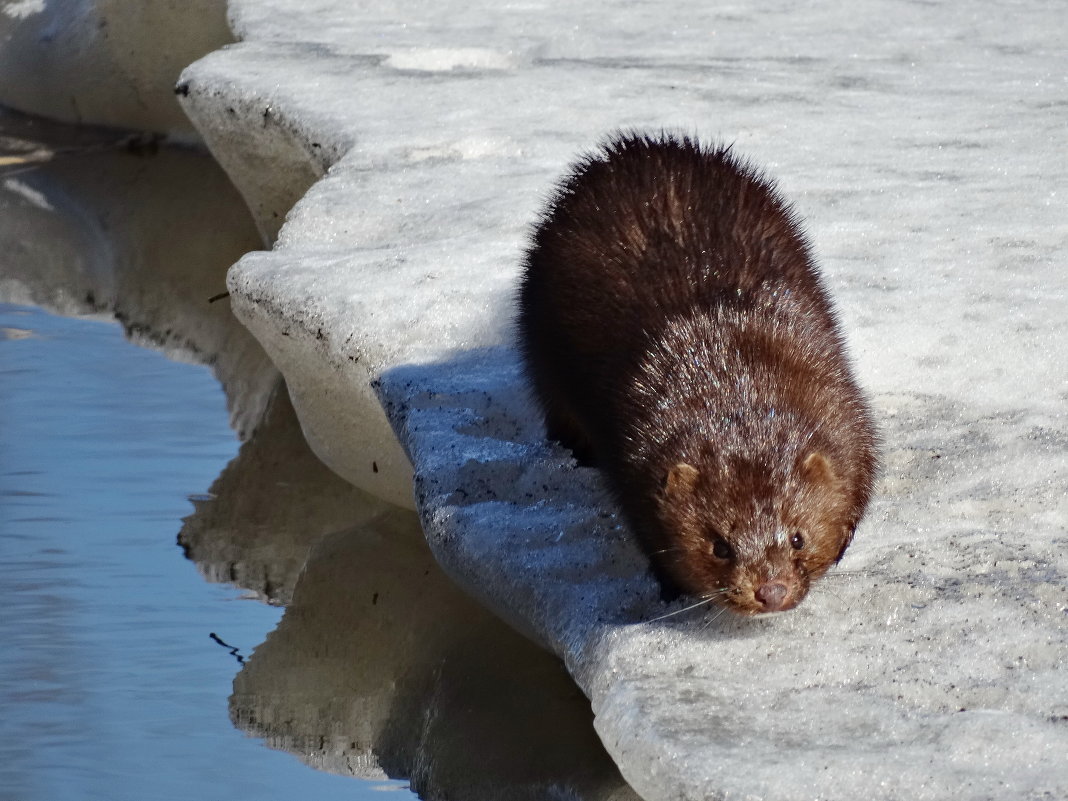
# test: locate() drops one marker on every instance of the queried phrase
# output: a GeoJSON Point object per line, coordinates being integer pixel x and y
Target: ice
{"type": "Point", "coordinates": [407, 149]}
{"type": "Point", "coordinates": [104, 62]}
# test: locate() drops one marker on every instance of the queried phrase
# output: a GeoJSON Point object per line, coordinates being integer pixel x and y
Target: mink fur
{"type": "Point", "coordinates": [677, 335]}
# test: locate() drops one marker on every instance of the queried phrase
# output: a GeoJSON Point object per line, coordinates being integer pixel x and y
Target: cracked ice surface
{"type": "Point", "coordinates": [925, 147]}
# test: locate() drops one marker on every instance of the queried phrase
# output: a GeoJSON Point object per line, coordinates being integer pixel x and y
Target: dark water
{"type": "Point", "coordinates": [110, 684]}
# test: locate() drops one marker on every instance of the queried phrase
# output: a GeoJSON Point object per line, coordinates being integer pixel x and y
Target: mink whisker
{"type": "Point", "coordinates": [703, 602]}
{"type": "Point", "coordinates": [719, 613]}
{"type": "Point", "coordinates": [666, 550]}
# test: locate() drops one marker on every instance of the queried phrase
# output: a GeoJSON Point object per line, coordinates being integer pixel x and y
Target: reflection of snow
{"type": "Point", "coordinates": [27, 193]}
{"type": "Point", "coordinates": [926, 158]}
{"type": "Point", "coordinates": [20, 9]}
{"type": "Point", "coordinates": [9, 332]}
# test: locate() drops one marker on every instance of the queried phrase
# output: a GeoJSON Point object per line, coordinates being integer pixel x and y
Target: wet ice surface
{"type": "Point", "coordinates": [110, 685]}
{"type": "Point", "coordinates": [924, 146]}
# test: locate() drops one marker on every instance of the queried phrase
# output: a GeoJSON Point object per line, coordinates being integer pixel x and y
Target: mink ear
{"type": "Point", "coordinates": [680, 480]}
{"type": "Point", "coordinates": [818, 470]}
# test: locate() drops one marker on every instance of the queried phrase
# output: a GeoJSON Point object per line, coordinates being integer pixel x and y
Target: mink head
{"type": "Point", "coordinates": [749, 536]}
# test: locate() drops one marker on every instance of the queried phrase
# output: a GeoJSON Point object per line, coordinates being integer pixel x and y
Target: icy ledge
{"type": "Point", "coordinates": [927, 158]}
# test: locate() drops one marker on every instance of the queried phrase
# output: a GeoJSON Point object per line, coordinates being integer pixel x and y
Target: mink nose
{"type": "Point", "coordinates": [771, 595]}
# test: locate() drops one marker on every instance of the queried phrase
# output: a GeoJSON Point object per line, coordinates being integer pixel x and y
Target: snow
{"type": "Point", "coordinates": [104, 62]}
{"type": "Point", "coordinates": [924, 144]}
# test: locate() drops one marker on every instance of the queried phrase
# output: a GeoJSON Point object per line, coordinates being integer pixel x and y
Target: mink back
{"type": "Point", "coordinates": [642, 231]}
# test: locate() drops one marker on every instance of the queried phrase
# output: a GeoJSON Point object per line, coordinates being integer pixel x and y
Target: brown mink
{"type": "Point", "coordinates": [677, 335]}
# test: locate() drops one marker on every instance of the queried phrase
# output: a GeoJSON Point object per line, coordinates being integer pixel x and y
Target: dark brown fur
{"type": "Point", "coordinates": [677, 334]}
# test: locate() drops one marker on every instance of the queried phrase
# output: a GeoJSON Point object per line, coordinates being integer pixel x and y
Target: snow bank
{"type": "Point", "coordinates": [923, 144]}
{"type": "Point", "coordinates": [105, 62]}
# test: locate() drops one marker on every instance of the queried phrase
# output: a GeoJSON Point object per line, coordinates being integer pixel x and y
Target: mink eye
{"type": "Point", "coordinates": [797, 541]}
{"type": "Point", "coordinates": [721, 549]}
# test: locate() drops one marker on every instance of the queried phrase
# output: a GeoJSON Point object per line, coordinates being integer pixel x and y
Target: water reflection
{"type": "Point", "coordinates": [380, 665]}
{"type": "Point", "coordinates": [99, 222]}
{"type": "Point", "coordinates": [110, 687]}
{"type": "Point", "coordinates": [267, 509]}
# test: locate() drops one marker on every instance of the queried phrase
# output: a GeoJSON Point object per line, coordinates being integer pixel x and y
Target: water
{"type": "Point", "coordinates": [110, 685]}
{"type": "Point", "coordinates": [136, 536]}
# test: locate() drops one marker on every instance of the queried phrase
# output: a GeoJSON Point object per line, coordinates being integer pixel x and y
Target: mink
{"type": "Point", "coordinates": [677, 335]}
